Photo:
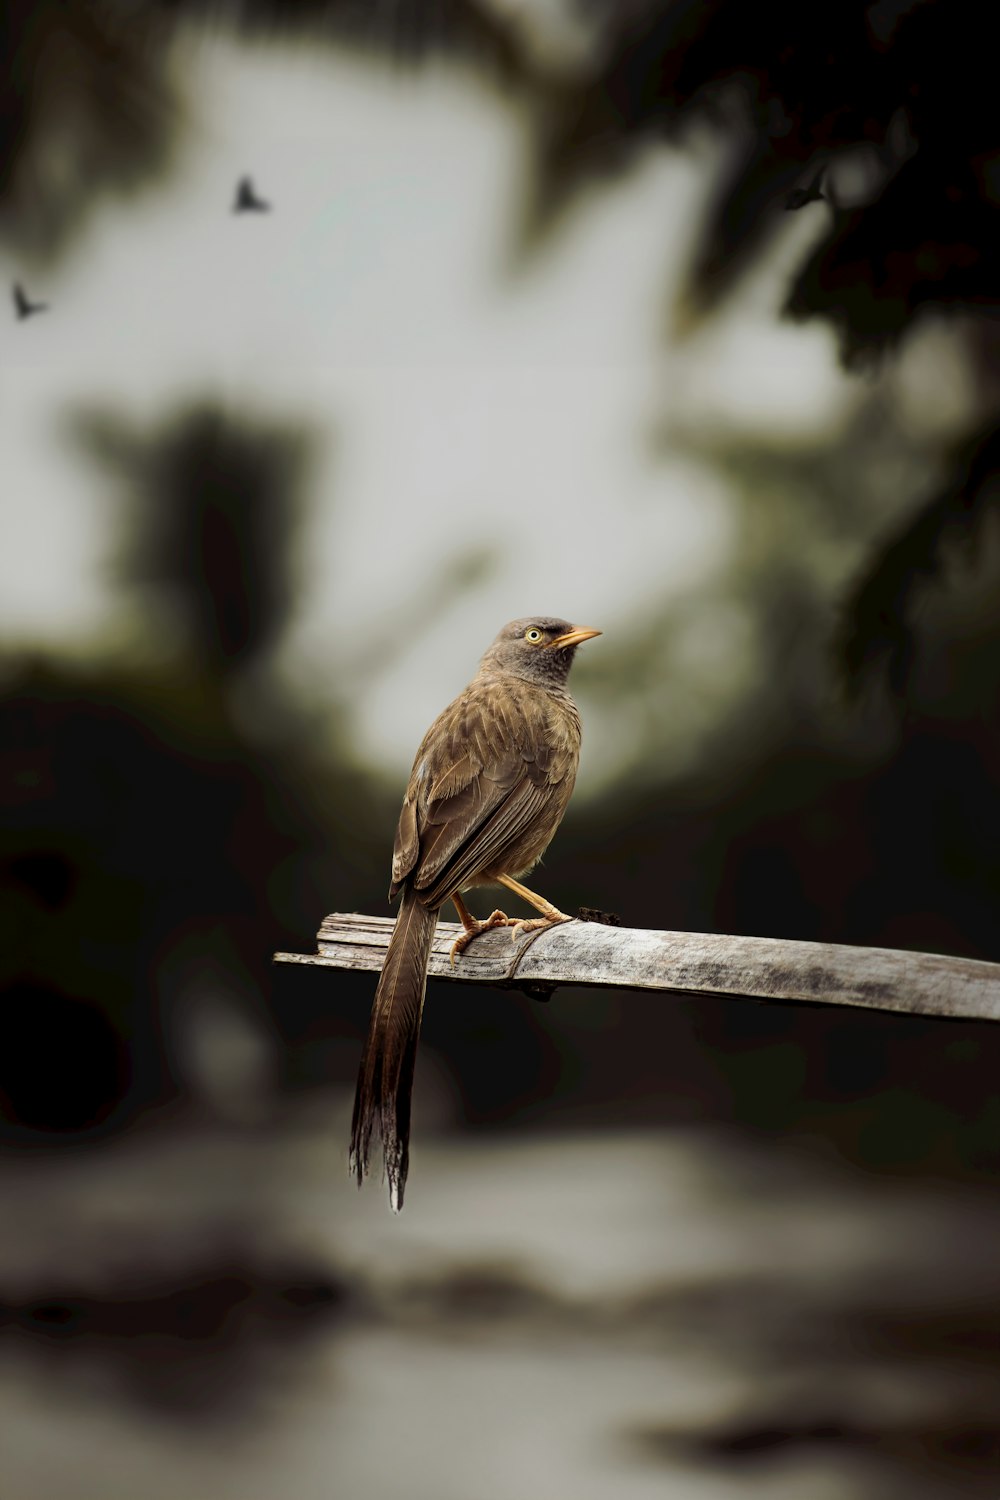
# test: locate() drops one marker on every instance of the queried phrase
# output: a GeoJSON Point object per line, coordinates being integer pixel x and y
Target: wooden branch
{"type": "Point", "coordinates": [681, 963]}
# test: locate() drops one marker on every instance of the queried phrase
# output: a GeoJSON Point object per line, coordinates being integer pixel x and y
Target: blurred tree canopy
{"type": "Point", "coordinates": [879, 112]}
{"type": "Point", "coordinates": [215, 512]}
{"type": "Point", "coordinates": [166, 814]}
{"type": "Point", "coordinates": [88, 108]}
{"type": "Point", "coordinates": [892, 97]}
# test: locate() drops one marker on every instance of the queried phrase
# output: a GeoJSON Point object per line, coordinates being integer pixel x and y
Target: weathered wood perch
{"type": "Point", "coordinates": [681, 963]}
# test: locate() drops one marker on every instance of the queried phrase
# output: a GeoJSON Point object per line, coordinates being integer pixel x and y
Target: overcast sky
{"type": "Point", "coordinates": [471, 403]}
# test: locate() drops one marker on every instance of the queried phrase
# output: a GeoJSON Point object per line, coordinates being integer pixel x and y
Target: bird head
{"type": "Point", "coordinates": [538, 648]}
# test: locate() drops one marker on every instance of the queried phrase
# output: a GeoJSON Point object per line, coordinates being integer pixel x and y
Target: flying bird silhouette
{"type": "Point", "coordinates": [247, 201]}
{"type": "Point", "coordinates": [24, 305]}
{"type": "Point", "coordinates": [812, 192]}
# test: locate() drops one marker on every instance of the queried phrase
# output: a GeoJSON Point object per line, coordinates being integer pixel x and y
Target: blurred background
{"type": "Point", "coordinates": [674, 319]}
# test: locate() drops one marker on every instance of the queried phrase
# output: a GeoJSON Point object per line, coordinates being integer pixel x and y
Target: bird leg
{"type": "Point", "coordinates": [551, 915]}
{"type": "Point", "coordinates": [473, 926]}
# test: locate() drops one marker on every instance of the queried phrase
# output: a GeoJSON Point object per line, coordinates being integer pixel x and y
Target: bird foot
{"type": "Point", "coordinates": [537, 924]}
{"type": "Point", "coordinates": [473, 928]}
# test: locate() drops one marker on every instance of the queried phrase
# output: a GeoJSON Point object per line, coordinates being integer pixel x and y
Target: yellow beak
{"type": "Point", "coordinates": [574, 637]}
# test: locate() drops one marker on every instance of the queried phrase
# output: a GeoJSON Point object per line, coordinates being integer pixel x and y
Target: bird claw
{"type": "Point", "coordinates": [537, 924]}
{"type": "Point", "coordinates": [495, 919]}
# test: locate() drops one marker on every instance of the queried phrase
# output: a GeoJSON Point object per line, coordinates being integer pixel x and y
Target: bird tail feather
{"type": "Point", "coordinates": [385, 1077]}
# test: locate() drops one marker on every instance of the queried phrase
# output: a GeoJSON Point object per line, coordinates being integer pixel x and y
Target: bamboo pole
{"type": "Point", "coordinates": [593, 953]}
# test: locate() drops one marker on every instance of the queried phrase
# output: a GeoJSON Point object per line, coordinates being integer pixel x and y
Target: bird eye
{"type": "Point", "coordinates": [531, 634]}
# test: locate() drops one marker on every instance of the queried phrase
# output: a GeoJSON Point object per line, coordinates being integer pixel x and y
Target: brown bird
{"type": "Point", "coordinates": [488, 789]}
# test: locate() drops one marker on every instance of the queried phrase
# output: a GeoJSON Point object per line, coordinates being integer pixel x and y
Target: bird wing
{"type": "Point", "coordinates": [486, 770]}
{"type": "Point", "coordinates": [455, 851]}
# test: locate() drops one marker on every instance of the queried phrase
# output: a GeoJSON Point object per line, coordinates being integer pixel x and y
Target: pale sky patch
{"type": "Point", "coordinates": [458, 401]}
